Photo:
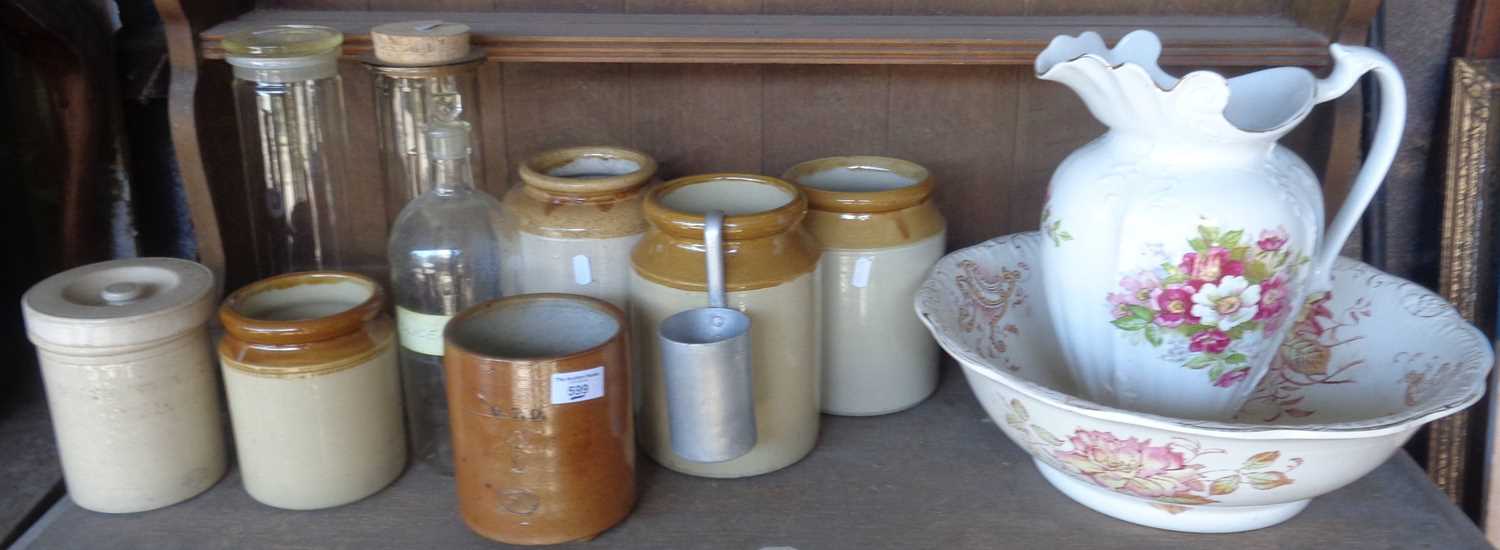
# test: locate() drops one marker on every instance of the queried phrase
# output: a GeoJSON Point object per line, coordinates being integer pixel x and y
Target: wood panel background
{"type": "Point", "coordinates": [990, 134]}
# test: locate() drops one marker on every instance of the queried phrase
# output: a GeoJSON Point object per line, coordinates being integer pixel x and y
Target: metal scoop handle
{"type": "Point", "coordinates": [713, 242]}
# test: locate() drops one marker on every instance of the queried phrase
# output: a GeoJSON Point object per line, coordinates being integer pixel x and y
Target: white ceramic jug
{"type": "Point", "coordinates": [1182, 241]}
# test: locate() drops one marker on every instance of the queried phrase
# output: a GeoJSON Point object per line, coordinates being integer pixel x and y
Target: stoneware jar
{"type": "Point", "coordinates": [880, 233]}
{"type": "Point", "coordinates": [129, 372]}
{"type": "Point", "coordinates": [572, 220]}
{"type": "Point", "coordinates": [770, 267]}
{"type": "Point", "coordinates": [309, 363]}
{"type": "Point", "coordinates": [543, 439]}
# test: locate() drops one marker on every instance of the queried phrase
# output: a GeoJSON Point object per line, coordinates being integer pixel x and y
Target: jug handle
{"type": "Point", "coordinates": [1351, 63]}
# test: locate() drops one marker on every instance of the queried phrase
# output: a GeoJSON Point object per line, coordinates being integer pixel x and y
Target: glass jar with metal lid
{"type": "Point", "coordinates": [770, 273]}
{"type": "Point", "coordinates": [290, 106]}
{"type": "Point", "coordinates": [880, 233]}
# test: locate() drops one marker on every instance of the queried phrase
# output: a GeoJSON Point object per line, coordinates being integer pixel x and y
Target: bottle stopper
{"type": "Point", "coordinates": [447, 140]}
{"type": "Point", "coordinates": [420, 42]}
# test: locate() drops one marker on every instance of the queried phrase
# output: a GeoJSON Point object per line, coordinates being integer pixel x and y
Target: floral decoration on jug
{"type": "Point", "coordinates": [1214, 304]}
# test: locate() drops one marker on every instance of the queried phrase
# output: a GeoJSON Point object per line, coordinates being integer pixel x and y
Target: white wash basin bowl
{"type": "Point", "coordinates": [1363, 369]}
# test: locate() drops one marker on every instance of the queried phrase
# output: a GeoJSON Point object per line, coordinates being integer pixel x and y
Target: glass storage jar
{"type": "Point", "coordinates": [572, 219]}
{"type": "Point", "coordinates": [770, 273]}
{"type": "Point", "coordinates": [880, 233]}
{"type": "Point", "coordinates": [129, 373]}
{"type": "Point", "coordinates": [423, 73]}
{"type": "Point", "coordinates": [309, 363]}
{"type": "Point", "coordinates": [290, 105]}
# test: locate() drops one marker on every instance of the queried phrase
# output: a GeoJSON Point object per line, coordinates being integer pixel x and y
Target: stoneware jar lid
{"type": "Point", "coordinates": [119, 303]}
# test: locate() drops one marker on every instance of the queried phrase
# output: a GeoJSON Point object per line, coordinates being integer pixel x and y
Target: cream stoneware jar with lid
{"type": "Point", "coordinates": [571, 221]}
{"type": "Point", "coordinates": [129, 373]}
{"type": "Point", "coordinates": [310, 370]}
{"type": "Point", "coordinates": [880, 233]}
{"type": "Point", "coordinates": [770, 274]}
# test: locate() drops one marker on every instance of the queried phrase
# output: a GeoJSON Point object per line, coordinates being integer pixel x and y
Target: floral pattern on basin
{"type": "Point", "coordinates": [1306, 359]}
{"type": "Point", "coordinates": [1397, 356]}
{"type": "Point", "coordinates": [1169, 474]}
{"type": "Point", "coordinates": [987, 296]}
{"type": "Point", "coordinates": [1215, 304]}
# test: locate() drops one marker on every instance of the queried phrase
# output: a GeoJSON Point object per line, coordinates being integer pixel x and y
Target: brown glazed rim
{"type": "Point", "coordinates": [521, 299]}
{"type": "Point", "coordinates": [262, 331]}
{"type": "Point", "coordinates": [863, 201]}
{"type": "Point", "coordinates": [534, 171]}
{"type": "Point", "coordinates": [737, 227]}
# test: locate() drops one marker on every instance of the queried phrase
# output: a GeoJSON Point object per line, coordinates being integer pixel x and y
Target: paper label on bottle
{"type": "Point", "coordinates": [861, 277]}
{"type": "Point", "coordinates": [573, 387]}
{"type": "Point", "coordinates": [421, 332]}
{"type": "Point", "coordinates": [581, 273]}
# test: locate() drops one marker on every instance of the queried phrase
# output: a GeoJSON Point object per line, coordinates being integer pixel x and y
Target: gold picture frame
{"type": "Point", "coordinates": [1466, 277]}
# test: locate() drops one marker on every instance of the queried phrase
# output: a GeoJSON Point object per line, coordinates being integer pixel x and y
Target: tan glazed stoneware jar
{"type": "Point", "coordinates": [880, 233]}
{"type": "Point", "coordinates": [129, 372]}
{"type": "Point", "coordinates": [571, 221]}
{"type": "Point", "coordinates": [543, 439]}
{"type": "Point", "coordinates": [770, 271]}
{"type": "Point", "coordinates": [309, 363]}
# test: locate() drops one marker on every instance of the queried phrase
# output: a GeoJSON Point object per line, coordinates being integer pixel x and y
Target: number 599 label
{"type": "Point", "coordinates": [572, 387]}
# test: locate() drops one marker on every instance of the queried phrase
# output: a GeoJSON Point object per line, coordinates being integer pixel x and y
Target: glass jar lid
{"type": "Point", "coordinates": [283, 41]}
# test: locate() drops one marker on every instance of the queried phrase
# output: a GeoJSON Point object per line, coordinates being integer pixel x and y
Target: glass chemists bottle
{"type": "Point", "coordinates": [290, 104]}
{"type": "Point", "coordinates": [445, 257]}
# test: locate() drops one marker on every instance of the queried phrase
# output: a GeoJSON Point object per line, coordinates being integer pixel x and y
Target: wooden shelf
{"type": "Point", "coordinates": [938, 476]}
{"type": "Point", "coordinates": [820, 39]}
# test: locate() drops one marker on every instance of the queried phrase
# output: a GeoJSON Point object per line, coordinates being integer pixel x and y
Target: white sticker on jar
{"type": "Point", "coordinates": [861, 276]}
{"type": "Point", "coordinates": [420, 332]}
{"type": "Point", "coordinates": [581, 273]}
{"type": "Point", "coordinates": [572, 387]}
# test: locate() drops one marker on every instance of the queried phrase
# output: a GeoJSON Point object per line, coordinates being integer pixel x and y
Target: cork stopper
{"type": "Point", "coordinates": [420, 42]}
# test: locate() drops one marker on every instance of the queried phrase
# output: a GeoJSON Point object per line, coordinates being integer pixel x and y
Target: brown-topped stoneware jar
{"type": "Point", "coordinates": [880, 233]}
{"type": "Point", "coordinates": [571, 221]}
{"type": "Point", "coordinates": [770, 273]}
{"type": "Point", "coordinates": [309, 363]}
{"type": "Point", "coordinates": [540, 403]}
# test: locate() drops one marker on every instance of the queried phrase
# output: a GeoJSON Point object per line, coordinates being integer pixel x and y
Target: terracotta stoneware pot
{"type": "Point", "coordinates": [539, 397]}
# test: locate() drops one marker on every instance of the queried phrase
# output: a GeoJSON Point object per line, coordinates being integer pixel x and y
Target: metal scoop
{"type": "Point", "coordinates": [705, 353]}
